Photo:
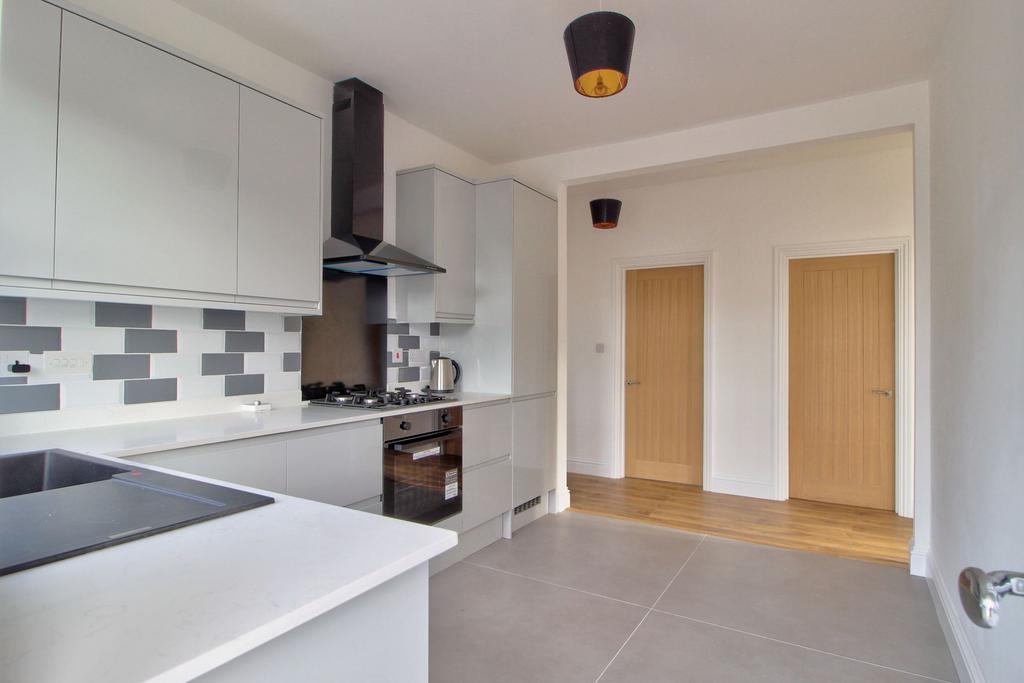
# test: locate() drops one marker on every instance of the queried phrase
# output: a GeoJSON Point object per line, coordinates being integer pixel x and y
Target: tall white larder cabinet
{"type": "Point", "coordinates": [511, 347]}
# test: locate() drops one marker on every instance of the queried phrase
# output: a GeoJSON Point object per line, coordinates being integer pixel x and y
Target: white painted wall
{"type": "Point", "coordinates": [865, 192]}
{"type": "Point", "coordinates": [977, 279]}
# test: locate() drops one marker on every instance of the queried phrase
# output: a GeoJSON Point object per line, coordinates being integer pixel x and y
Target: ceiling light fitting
{"type": "Point", "coordinates": [599, 46]}
{"type": "Point", "coordinates": [604, 212]}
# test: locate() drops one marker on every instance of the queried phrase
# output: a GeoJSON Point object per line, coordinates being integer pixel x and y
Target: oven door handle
{"type": "Point", "coordinates": [435, 437]}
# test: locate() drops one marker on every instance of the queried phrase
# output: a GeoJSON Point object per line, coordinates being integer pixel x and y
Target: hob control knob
{"type": "Point", "coordinates": [446, 418]}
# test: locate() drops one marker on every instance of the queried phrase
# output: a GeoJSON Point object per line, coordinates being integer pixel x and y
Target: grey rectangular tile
{"type": "Point", "coordinates": [408, 374]}
{"type": "Point", "coordinates": [389, 363]}
{"type": "Point", "coordinates": [150, 390]}
{"type": "Point", "coordinates": [398, 328]}
{"type": "Point", "coordinates": [12, 310]}
{"type": "Point", "coordinates": [223, 364]}
{"type": "Point", "coordinates": [220, 319]}
{"type": "Point", "coordinates": [243, 341]}
{"type": "Point", "coordinates": [293, 323]}
{"type": "Point", "coordinates": [667, 648]}
{"type": "Point", "coordinates": [435, 354]}
{"type": "Point", "coordinates": [435, 329]}
{"type": "Point", "coordinates": [292, 362]}
{"type": "Point", "coordinates": [150, 341]}
{"type": "Point", "coordinates": [120, 366]}
{"type": "Point", "coordinates": [29, 398]}
{"type": "Point", "coordinates": [834, 606]}
{"type": "Point", "coordinates": [482, 622]}
{"type": "Point", "coordinates": [241, 385]}
{"type": "Point", "coordinates": [408, 341]}
{"type": "Point", "coordinates": [123, 315]}
{"type": "Point", "coordinates": [35, 339]}
{"type": "Point", "coordinates": [13, 380]}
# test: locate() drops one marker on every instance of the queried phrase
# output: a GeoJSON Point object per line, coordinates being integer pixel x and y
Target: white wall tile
{"type": "Point", "coordinates": [209, 386]}
{"type": "Point", "coordinates": [281, 342]}
{"type": "Point", "coordinates": [176, 318]}
{"type": "Point", "coordinates": [392, 376]}
{"type": "Point", "coordinates": [175, 364]}
{"type": "Point", "coordinates": [53, 312]}
{"type": "Point", "coordinates": [264, 322]}
{"type": "Point", "coordinates": [90, 394]}
{"type": "Point", "coordinates": [201, 341]}
{"type": "Point", "coordinates": [281, 381]}
{"type": "Point", "coordinates": [264, 363]}
{"type": "Point", "coordinates": [93, 339]}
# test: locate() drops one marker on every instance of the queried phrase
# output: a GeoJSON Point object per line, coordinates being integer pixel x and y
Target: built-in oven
{"type": "Point", "coordinates": [423, 465]}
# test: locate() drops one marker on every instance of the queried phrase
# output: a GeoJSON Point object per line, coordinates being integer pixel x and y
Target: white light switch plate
{"type": "Point", "coordinates": [68, 362]}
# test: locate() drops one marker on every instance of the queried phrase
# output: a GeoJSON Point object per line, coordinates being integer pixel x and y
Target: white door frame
{"type": "Point", "coordinates": [903, 250]}
{"type": "Point", "coordinates": [619, 268]}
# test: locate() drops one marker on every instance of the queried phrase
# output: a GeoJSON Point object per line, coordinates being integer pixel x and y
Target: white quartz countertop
{"type": "Point", "coordinates": [173, 606]}
{"type": "Point", "coordinates": [136, 438]}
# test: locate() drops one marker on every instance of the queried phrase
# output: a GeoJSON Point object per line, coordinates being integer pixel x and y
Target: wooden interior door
{"type": "Point", "coordinates": [841, 380]}
{"type": "Point", "coordinates": [664, 403]}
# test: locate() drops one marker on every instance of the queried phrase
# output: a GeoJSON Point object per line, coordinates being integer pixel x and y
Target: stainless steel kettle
{"type": "Point", "coordinates": [444, 374]}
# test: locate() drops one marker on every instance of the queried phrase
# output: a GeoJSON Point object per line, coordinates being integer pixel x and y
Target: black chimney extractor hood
{"type": "Point", "coordinates": [357, 189]}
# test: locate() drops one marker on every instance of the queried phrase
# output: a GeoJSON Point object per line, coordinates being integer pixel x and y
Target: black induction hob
{"type": "Point", "coordinates": [55, 504]}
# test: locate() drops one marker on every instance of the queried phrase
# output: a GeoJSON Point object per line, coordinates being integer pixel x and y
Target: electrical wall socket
{"type": "Point", "coordinates": [68, 362]}
{"type": "Point", "coordinates": [396, 356]}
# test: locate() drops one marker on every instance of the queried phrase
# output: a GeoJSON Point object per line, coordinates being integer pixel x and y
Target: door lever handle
{"type": "Point", "coordinates": [981, 591]}
{"type": "Point", "coordinates": [882, 392]}
{"type": "Point", "coordinates": [631, 382]}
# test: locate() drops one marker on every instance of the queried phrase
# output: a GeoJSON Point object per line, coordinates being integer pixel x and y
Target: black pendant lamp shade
{"type": "Point", "coordinates": [599, 46]}
{"type": "Point", "coordinates": [605, 212]}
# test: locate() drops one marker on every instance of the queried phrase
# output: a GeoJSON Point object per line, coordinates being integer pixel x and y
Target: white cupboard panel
{"type": "Point", "coordinates": [486, 434]}
{"type": "Point", "coordinates": [533, 447]}
{"type": "Point", "coordinates": [340, 466]}
{"type": "Point", "coordinates": [147, 173]}
{"type": "Point", "coordinates": [487, 493]}
{"type": "Point", "coordinates": [279, 228]}
{"type": "Point", "coordinates": [535, 317]}
{"type": "Point", "coordinates": [29, 72]}
{"type": "Point", "coordinates": [455, 247]}
{"type": "Point", "coordinates": [259, 463]}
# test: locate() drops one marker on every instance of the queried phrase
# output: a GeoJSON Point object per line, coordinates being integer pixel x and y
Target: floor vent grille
{"type": "Point", "coordinates": [526, 506]}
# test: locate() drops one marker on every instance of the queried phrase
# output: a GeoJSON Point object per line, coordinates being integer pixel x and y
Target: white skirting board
{"type": "Point", "coordinates": [742, 487]}
{"type": "Point", "coordinates": [594, 469]}
{"type": "Point", "coordinates": [947, 605]}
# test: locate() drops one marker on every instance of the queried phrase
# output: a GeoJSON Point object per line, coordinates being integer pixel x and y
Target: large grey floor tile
{"type": "Point", "coordinates": [623, 560]}
{"type": "Point", "coordinates": [866, 611]}
{"type": "Point", "coordinates": [490, 626]}
{"type": "Point", "coordinates": [667, 648]}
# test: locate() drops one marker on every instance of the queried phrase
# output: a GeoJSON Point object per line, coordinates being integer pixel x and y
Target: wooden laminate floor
{"type": "Point", "coordinates": [858, 533]}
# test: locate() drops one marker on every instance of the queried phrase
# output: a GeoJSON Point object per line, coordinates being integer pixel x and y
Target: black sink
{"type": "Point", "coordinates": [22, 473]}
{"type": "Point", "coordinates": [55, 504]}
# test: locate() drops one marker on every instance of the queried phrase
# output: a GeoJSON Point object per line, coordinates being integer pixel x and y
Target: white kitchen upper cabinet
{"type": "Point", "coordinates": [279, 226]}
{"type": "Point", "coordinates": [337, 465]}
{"type": "Point", "coordinates": [436, 220]}
{"type": "Point", "coordinates": [147, 167]}
{"type": "Point", "coordinates": [533, 448]}
{"type": "Point", "coordinates": [535, 316]}
{"type": "Point", "coordinates": [29, 73]}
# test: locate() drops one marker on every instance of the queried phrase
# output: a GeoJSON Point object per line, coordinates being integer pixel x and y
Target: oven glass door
{"type": "Point", "coordinates": [423, 477]}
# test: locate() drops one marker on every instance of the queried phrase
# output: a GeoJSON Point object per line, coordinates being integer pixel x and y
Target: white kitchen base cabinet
{"type": "Point", "coordinates": [533, 447]}
{"type": "Point", "coordinates": [29, 73]}
{"type": "Point", "coordinates": [337, 465]}
{"type": "Point", "coordinates": [487, 492]}
{"type": "Point", "coordinates": [382, 635]}
{"type": "Point", "coordinates": [259, 463]}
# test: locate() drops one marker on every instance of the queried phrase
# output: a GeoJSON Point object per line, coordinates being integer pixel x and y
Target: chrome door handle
{"type": "Point", "coordinates": [882, 392]}
{"type": "Point", "coordinates": [631, 382]}
{"type": "Point", "coordinates": [980, 593]}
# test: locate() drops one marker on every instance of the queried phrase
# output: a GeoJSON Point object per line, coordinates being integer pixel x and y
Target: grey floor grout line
{"type": "Point", "coordinates": [651, 609]}
{"type": "Point", "coordinates": [798, 645]}
{"type": "Point", "coordinates": [556, 585]}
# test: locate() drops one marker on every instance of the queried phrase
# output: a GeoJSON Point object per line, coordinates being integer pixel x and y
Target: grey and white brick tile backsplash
{"type": "Point", "coordinates": [87, 355]}
{"type": "Point", "coordinates": [417, 343]}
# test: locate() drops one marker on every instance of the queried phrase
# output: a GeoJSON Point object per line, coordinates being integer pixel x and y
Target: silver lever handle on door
{"type": "Point", "coordinates": [631, 382]}
{"type": "Point", "coordinates": [883, 392]}
{"type": "Point", "coordinates": [980, 593]}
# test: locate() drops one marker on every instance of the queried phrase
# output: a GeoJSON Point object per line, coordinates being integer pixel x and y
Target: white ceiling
{"type": "Point", "coordinates": [492, 77]}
